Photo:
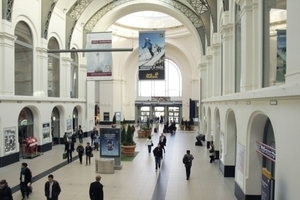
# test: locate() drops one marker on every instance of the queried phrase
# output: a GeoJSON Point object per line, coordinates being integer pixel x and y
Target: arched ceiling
{"type": "Point", "coordinates": [87, 13]}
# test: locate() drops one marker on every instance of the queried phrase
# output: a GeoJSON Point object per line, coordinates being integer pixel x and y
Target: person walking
{"type": "Point", "coordinates": [88, 153]}
{"type": "Point", "coordinates": [93, 133]}
{"type": "Point", "coordinates": [96, 141]}
{"type": "Point", "coordinates": [96, 189]}
{"type": "Point", "coordinates": [69, 149]}
{"type": "Point", "coordinates": [80, 151]}
{"type": "Point", "coordinates": [5, 191]}
{"type": "Point", "coordinates": [157, 152]}
{"type": "Point", "coordinates": [212, 152]}
{"type": "Point", "coordinates": [25, 180]}
{"type": "Point", "coordinates": [187, 161]}
{"type": "Point", "coordinates": [52, 188]}
{"type": "Point", "coordinates": [80, 134]}
{"type": "Point", "coordinates": [149, 143]}
{"type": "Point", "coordinates": [163, 141]}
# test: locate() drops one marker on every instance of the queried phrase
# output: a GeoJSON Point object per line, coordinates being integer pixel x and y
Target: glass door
{"type": "Point", "coordinates": [173, 114]}
{"type": "Point", "coordinates": [158, 111]}
{"type": "Point", "coordinates": [144, 113]}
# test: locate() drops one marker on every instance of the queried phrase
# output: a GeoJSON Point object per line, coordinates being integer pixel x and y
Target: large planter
{"type": "Point", "coordinates": [182, 127]}
{"type": "Point", "coordinates": [128, 150]}
{"type": "Point", "coordinates": [148, 132]}
{"type": "Point", "coordinates": [192, 127]}
{"type": "Point", "coordinates": [141, 134]}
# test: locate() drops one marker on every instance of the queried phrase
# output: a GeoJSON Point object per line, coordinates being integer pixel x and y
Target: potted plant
{"type": "Point", "coordinates": [182, 124]}
{"type": "Point", "coordinates": [128, 145]}
{"type": "Point", "coordinates": [114, 122]}
{"type": "Point", "coordinates": [124, 123]}
{"type": "Point", "coordinates": [192, 124]}
{"type": "Point", "coordinates": [123, 135]}
{"type": "Point", "coordinates": [141, 131]}
{"type": "Point", "coordinates": [147, 128]}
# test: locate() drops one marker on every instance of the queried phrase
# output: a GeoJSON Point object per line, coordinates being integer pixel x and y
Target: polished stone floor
{"type": "Point", "coordinates": [137, 180]}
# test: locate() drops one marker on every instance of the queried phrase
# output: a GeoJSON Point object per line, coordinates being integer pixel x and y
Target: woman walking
{"type": "Point", "coordinates": [149, 143]}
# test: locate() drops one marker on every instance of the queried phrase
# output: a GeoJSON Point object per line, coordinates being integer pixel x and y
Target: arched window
{"type": "Point", "coordinates": [23, 60]}
{"type": "Point", "coordinates": [170, 87]}
{"type": "Point", "coordinates": [53, 69]}
{"type": "Point", "coordinates": [74, 75]}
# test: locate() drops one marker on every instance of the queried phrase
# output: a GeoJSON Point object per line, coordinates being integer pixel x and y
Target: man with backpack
{"type": "Point", "coordinates": [187, 161]}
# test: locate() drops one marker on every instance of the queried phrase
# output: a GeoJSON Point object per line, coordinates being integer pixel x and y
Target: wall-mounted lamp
{"type": "Point", "coordinates": [53, 118]}
{"type": "Point", "coordinates": [273, 102]}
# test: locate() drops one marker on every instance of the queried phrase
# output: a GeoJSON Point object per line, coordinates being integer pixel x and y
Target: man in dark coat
{"type": "Point", "coordinates": [5, 191]}
{"type": "Point", "coordinates": [69, 148]}
{"type": "Point", "coordinates": [53, 192]}
{"type": "Point", "coordinates": [96, 189]}
{"type": "Point", "coordinates": [187, 161]}
{"type": "Point", "coordinates": [25, 180]}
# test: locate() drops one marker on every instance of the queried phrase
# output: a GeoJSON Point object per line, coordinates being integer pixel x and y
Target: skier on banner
{"type": "Point", "coordinates": [148, 44]}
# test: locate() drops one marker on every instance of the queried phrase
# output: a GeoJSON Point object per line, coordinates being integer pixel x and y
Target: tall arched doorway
{"type": "Point", "coordinates": [75, 120]}
{"type": "Point", "coordinates": [55, 126]}
{"type": "Point", "coordinates": [25, 127]}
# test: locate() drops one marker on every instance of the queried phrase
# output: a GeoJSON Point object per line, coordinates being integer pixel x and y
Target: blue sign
{"type": "Point", "coordinates": [109, 142]}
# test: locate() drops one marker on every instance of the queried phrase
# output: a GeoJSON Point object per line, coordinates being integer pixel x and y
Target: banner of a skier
{"type": "Point", "coordinates": [152, 55]}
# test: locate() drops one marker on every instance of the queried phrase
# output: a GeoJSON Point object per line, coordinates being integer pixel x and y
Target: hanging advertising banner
{"type": "Point", "coordinates": [99, 64]}
{"type": "Point", "coordinates": [46, 132]}
{"type": "Point", "coordinates": [281, 55]}
{"type": "Point", "coordinates": [110, 142]}
{"type": "Point", "coordinates": [152, 55]}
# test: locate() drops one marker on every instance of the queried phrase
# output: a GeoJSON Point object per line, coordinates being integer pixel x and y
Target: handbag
{"type": "Point", "coordinates": [64, 156]}
{"type": "Point", "coordinates": [152, 144]}
{"type": "Point", "coordinates": [91, 155]}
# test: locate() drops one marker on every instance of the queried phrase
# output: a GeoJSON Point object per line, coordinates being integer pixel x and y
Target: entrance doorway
{"type": "Point", "coordinates": [173, 114]}
{"type": "Point", "coordinates": [158, 111]}
{"type": "Point", "coordinates": [144, 113]}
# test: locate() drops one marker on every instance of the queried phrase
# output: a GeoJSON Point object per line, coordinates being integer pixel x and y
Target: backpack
{"type": "Point", "coordinates": [185, 160]}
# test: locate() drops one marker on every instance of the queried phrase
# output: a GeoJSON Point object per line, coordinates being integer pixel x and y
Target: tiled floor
{"type": "Point", "coordinates": [137, 180]}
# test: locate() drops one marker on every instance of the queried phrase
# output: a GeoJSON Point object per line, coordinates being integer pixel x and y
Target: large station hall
{"type": "Point", "coordinates": [149, 99]}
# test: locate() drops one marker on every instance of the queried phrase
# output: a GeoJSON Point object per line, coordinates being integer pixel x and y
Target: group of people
{"type": "Point", "coordinates": [51, 188]}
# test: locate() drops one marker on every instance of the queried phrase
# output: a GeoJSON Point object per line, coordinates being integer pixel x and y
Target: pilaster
{"type": "Point", "coordinates": [82, 83]}
{"type": "Point", "coordinates": [209, 74]}
{"type": "Point", "coordinates": [65, 78]}
{"type": "Point", "coordinates": [216, 64]}
{"type": "Point", "coordinates": [7, 59]}
{"type": "Point", "coordinates": [40, 74]}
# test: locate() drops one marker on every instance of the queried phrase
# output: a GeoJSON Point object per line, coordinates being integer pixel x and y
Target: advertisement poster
{"type": "Point", "coordinates": [118, 116]}
{"type": "Point", "coordinates": [99, 64]}
{"type": "Point", "coordinates": [267, 185]}
{"type": "Point", "coordinates": [152, 55]}
{"type": "Point", "coordinates": [240, 157]}
{"type": "Point", "coordinates": [109, 142]}
{"type": "Point", "coordinates": [69, 128]}
{"type": "Point", "coordinates": [46, 132]}
{"type": "Point", "coordinates": [106, 116]}
{"type": "Point", "coordinates": [10, 140]}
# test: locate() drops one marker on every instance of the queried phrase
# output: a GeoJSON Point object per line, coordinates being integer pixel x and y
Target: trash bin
{"type": "Point", "coordinates": [105, 165]}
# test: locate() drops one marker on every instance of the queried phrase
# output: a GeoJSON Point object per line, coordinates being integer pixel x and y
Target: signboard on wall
{"type": "Point", "coordinates": [240, 157]}
{"type": "Point", "coordinates": [106, 116]}
{"type": "Point", "coordinates": [152, 55]}
{"type": "Point", "coordinates": [69, 128]}
{"type": "Point", "coordinates": [266, 151]}
{"type": "Point", "coordinates": [10, 140]}
{"type": "Point", "coordinates": [110, 142]}
{"type": "Point", "coordinates": [46, 132]}
{"type": "Point", "coordinates": [267, 185]}
{"type": "Point", "coordinates": [118, 116]}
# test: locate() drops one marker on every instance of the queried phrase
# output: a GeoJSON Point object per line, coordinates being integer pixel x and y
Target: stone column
{"type": "Point", "coordinates": [228, 55]}
{"type": "Point", "coordinates": [65, 76]}
{"type": "Point", "coordinates": [41, 76]}
{"type": "Point", "coordinates": [82, 83]}
{"type": "Point", "coordinates": [7, 58]}
{"type": "Point", "coordinates": [293, 42]}
{"type": "Point", "coordinates": [216, 65]}
{"type": "Point", "coordinates": [209, 74]}
{"type": "Point", "coordinates": [246, 45]}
